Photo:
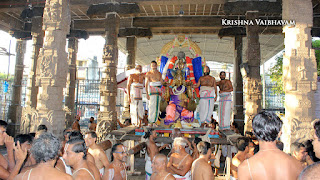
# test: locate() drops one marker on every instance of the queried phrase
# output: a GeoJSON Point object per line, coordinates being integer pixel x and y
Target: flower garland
{"type": "Point", "coordinates": [177, 92]}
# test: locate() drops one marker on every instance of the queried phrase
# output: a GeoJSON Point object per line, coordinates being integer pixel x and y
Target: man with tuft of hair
{"type": "Point", "coordinates": [242, 144]}
{"type": "Point", "coordinates": [45, 151]}
{"type": "Point", "coordinates": [159, 168]}
{"type": "Point", "coordinates": [201, 169]}
{"type": "Point", "coordinates": [180, 161]}
{"type": "Point", "coordinates": [117, 168]}
{"type": "Point", "coordinates": [75, 155]}
{"type": "Point", "coordinates": [270, 162]}
{"type": "Point", "coordinates": [100, 157]}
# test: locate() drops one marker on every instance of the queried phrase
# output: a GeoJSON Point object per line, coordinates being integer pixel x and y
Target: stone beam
{"type": "Point", "coordinates": [10, 22]}
{"type": "Point", "coordinates": [21, 34]}
{"type": "Point", "coordinates": [137, 32]}
{"type": "Point", "coordinates": [79, 34]}
{"type": "Point", "coordinates": [232, 32]}
{"type": "Point", "coordinates": [120, 8]}
{"type": "Point", "coordinates": [241, 7]}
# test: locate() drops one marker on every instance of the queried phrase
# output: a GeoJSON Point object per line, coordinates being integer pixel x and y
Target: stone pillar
{"type": "Point", "coordinates": [253, 85]}
{"type": "Point", "coordinates": [53, 67]}
{"type": "Point", "coordinates": [131, 61]}
{"type": "Point", "coordinates": [238, 83]}
{"type": "Point", "coordinates": [299, 72]}
{"type": "Point", "coordinates": [71, 83]}
{"type": "Point", "coordinates": [108, 88]}
{"type": "Point", "coordinates": [15, 108]}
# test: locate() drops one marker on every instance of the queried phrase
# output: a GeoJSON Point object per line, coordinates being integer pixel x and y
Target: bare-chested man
{"type": "Point", "coordinates": [270, 162]}
{"type": "Point", "coordinates": [76, 125]}
{"type": "Point", "coordinates": [242, 145]}
{"type": "Point", "coordinates": [45, 150]}
{"type": "Point", "coordinates": [135, 88]}
{"type": "Point", "coordinates": [299, 151]}
{"type": "Point", "coordinates": [117, 168]}
{"type": "Point", "coordinates": [201, 169]}
{"type": "Point", "coordinates": [180, 161]}
{"type": "Point", "coordinates": [208, 95]}
{"type": "Point", "coordinates": [225, 101]}
{"type": "Point", "coordinates": [100, 157]}
{"type": "Point", "coordinates": [159, 168]}
{"type": "Point", "coordinates": [153, 91]}
{"type": "Point", "coordinates": [75, 156]}
{"type": "Point", "coordinates": [152, 150]}
{"type": "Point", "coordinates": [92, 125]}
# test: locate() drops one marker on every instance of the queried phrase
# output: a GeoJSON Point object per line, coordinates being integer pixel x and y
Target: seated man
{"type": "Point", "coordinates": [117, 168]}
{"type": "Point", "coordinates": [180, 161]}
{"type": "Point", "coordinates": [100, 157]}
{"type": "Point", "coordinates": [242, 145]}
{"type": "Point", "coordinates": [201, 169]}
{"type": "Point", "coordinates": [75, 156]}
{"type": "Point", "coordinates": [159, 168]}
{"type": "Point", "coordinates": [45, 150]}
{"type": "Point", "coordinates": [270, 162]}
{"type": "Point", "coordinates": [299, 151]}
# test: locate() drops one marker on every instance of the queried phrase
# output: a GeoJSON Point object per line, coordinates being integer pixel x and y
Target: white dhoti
{"type": "Point", "coordinates": [136, 105]}
{"type": "Point", "coordinates": [225, 110]}
{"type": "Point", "coordinates": [206, 103]}
{"type": "Point", "coordinates": [187, 176]}
{"type": "Point", "coordinates": [154, 102]}
{"type": "Point", "coordinates": [148, 167]}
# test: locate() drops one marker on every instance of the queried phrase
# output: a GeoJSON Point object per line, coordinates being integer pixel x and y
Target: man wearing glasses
{"type": "Point", "coordinates": [117, 168]}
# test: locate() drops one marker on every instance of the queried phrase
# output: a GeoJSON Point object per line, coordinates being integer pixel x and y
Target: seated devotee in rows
{"type": "Point", "coordinates": [100, 157]}
{"type": "Point", "coordinates": [152, 150]}
{"type": "Point", "coordinates": [201, 169]}
{"type": "Point", "coordinates": [45, 150]}
{"type": "Point", "coordinates": [75, 156]}
{"type": "Point", "coordinates": [180, 161]}
{"type": "Point", "coordinates": [159, 168]}
{"type": "Point", "coordinates": [92, 125]}
{"type": "Point", "coordinates": [76, 124]}
{"type": "Point", "coordinates": [116, 170]}
{"type": "Point", "coordinates": [269, 163]}
{"type": "Point", "coordinates": [242, 144]}
{"type": "Point", "coordinates": [299, 152]}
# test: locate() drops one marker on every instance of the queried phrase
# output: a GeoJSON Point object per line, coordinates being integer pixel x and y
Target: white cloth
{"type": "Point", "coordinates": [101, 171]}
{"type": "Point", "coordinates": [148, 167]}
{"type": "Point", "coordinates": [136, 105]}
{"type": "Point", "coordinates": [225, 111]}
{"type": "Point", "coordinates": [187, 176]}
{"type": "Point", "coordinates": [217, 154]}
{"type": "Point", "coordinates": [206, 103]}
{"type": "Point", "coordinates": [154, 102]}
{"type": "Point", "coordinates": [66, 167]}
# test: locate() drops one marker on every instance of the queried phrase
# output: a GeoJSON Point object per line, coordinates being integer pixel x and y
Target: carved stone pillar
{"type": "Point", "coordinates": [299, 72]}
{"type": "Point", "coordinates": [15, 108]}
{"type": "Point", "coordinates": [108, 88]}
{"type": "Point", "coordinates": [131, 61]}
{"type": "Point", "coordinates": [71, 83]}
{"type": "Point", "coordinates": [253, 85]}
{"type": "Point", "coordinates": [238, 83]}
{"type": "Point", "coordinates": [53, 67]}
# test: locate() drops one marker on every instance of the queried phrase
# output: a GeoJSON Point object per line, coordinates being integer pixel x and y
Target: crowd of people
{"type": "Point", "coordinates": [42, 155]}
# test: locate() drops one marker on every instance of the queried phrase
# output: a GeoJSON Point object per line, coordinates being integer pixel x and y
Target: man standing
{"type": "Point", "coordinates": [225, 101]}
{"type": "Point", "coordinates": [153, 91]}
{"type": "Point", "coordinates": [100, 158]}
{"type": "Point", "coordinates": [242, 145]}
{"type": "Point", "coordinates": [76, 125]}
{"type": "Point", "coordinates": [208, 95]}
{"type": "Point", "coordinates": [180, 161]}
{"type": "Point", "coordinates": [135, 88]}
{"type": "Point", "coordinates": [159, 168]}
{"type": "Point", "coordinates": [201, 169]}
{"type": "Point", "coordinates": [299, 151]}
{"type": "Point", "coordinates": [92, 124]}
{"type": "Point", "coordinates": [75, 156]}
{"type": "Point", "coordinates": [270, 162]}
{"type": "Point", "coordinates": [117, 168]}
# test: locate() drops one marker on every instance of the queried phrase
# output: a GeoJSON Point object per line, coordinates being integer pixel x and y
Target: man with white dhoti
{"type": "Point", "coordinates": [135, 88]}
{"type": "Point", "coordinates": [153, 91]}
{"type": "Point", "coordinates": [225, 101]}
{"type": "Point", "coordinates": [208, 95]}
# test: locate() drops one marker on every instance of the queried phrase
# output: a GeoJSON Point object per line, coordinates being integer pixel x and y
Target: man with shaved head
{"type": "Point", "coordinates": [135, 87]}
{"type": "Point", "coordinates": [208, 95]}
{"type": "Point", "coordinates": [159, 168]}
{"type": "Point", "coordinates": [201, 169]}
{"type": "Point", "coordinates": [311, 172]}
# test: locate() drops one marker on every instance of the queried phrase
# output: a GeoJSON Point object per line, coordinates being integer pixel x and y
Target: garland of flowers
{"type": "Point", "coordinates": [177, 92]}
